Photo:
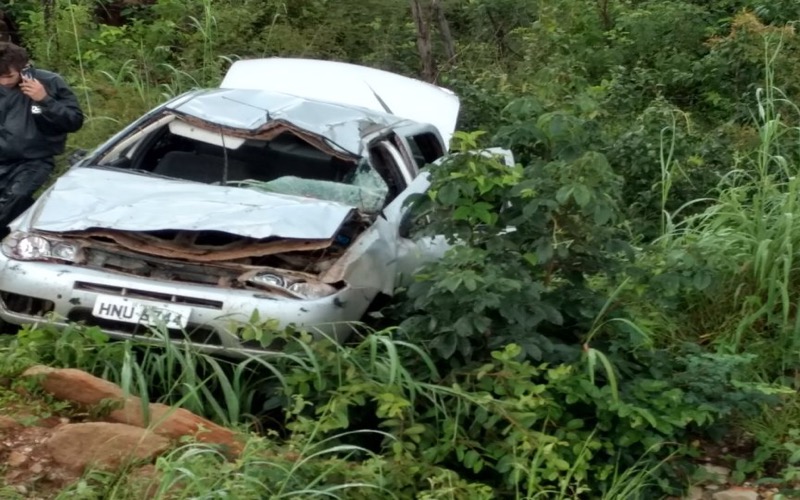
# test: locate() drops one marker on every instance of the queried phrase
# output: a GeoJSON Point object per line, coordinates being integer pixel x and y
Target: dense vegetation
{"type": "Point", "coordinates": [643, 310]}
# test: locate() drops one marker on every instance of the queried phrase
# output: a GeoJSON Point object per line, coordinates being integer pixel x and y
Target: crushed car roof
{"type": "Point", "coordinates": [350, 84]}
{"type": "Point", "coordinates": [342, 126]}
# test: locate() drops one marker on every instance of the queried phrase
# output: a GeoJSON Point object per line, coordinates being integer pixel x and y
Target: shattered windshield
{"type": "Point", "coordinates": [365, 189]}
{"type": "Point", "coordinates": [285, 163]}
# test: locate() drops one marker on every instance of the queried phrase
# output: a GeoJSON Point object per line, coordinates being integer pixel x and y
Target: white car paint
{"type": "Point", "coordinates": [79, 201]}
{"type": "Point", "coordinates": [352, 85]}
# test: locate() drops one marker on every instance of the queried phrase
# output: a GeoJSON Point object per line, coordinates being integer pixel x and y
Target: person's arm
{"type": "Point", "coordinates": [60, 110]}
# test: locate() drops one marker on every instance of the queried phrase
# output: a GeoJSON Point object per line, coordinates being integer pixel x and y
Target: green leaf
{"type": "Point", "coordinates": [701, 280]}
{"type": "Point", "coordinates": [451, 283]}
{"type": "Point", "coordinates": [463, 326]}
{"type": "Point", "coordinates": [463, 213]}
{"type": "Point", "coordinates": [602, 214]}
{"type": "Point", "coordinates": [448, 194]}
{"type": "Point", "coordinates": [574, 424]}
{"type": "Point", "coordinates": [481, 323]}
{"type": "Point", "coordinates": [531, 259]}
{"type": "Point", "coordinates": [544, 251]}
{"type": "Point", "coordinates": [582, 195]}
{"type": "Point", "coordinates": [481, 211]}
{"type": "Point", "coordinates": [446, 344]}
{"type": "Point", "coordinates": [414, 430]}
{"type": "Point", "coordinates": [470, 283]}
{"type": "Point", "coordinates": [563, 194]}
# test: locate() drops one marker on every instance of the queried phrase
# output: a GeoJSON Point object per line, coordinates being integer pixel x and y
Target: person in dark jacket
{"type": "Point", "coordinates": [37, 111]}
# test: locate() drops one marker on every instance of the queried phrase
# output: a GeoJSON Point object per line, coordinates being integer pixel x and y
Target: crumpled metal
{"type": "Point", "coordinates": [89, 197]}
{"type": "Point", "coordinates": [352, 85]}
{"type": "Point", "coordinates": [341, 126]}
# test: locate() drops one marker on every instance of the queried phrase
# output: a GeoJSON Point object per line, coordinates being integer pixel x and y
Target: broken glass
{"type": "Point", "coordinates": [366, 192]}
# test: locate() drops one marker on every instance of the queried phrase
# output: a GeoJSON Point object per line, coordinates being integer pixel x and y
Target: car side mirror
{"type": "Point", "coordinates": [406, 223]}
{"type": "Point", "coordinates": [412, 211]}
{"type": "Point", "coordinates": [76, 156]}
{"type": "Point", "coordinates": [409, 219]}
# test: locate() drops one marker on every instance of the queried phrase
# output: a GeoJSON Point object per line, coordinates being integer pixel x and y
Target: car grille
{"type": "Point", "coordinates": [163, 269]}
{"type": "Point", "coordinates": [24, 304]}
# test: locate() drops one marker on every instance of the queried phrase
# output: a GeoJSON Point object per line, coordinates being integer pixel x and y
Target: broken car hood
{"type": "Point", "coordinates": [85, 198]}
{"type": "Point", "coordinates": [351, 85]}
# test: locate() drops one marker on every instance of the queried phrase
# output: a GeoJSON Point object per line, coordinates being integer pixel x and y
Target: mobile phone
{"type": "Point", "coordinates": [27, 72]}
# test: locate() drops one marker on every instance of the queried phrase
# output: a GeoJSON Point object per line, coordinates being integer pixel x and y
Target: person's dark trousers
{"type": "Point", "coordinates": [19, 181]}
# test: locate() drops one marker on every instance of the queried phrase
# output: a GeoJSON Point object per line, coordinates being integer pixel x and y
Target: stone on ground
{"type": "Point", "coordinates": [736, 493]}
{"type": "Point", "coordinates": [86, 390]}
{"type": "Point", "coordinates": [103, 445]}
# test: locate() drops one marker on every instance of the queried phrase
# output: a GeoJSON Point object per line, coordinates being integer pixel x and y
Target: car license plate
{"type": "Point", "coordinates": [142, 312]}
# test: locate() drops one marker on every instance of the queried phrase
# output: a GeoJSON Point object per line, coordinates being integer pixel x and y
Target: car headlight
{"type": "Point", "coordinates": [300, 289]}
{"type": "Point", "coordinates": [24, 246]}
{"type": "Point", "coordinates": [312, 290]}
{"type": "Point", "coordinates": [268, 279]}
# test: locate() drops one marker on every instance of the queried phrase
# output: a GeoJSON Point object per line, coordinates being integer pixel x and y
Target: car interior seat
{"type": "Point", "coordinates": [201, 167]}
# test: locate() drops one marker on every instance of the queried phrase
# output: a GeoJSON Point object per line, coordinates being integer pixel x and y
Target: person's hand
{"type": "Point", "coordinates": [33, 88]}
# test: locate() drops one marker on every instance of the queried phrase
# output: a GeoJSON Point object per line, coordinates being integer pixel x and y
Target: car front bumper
{"type": "Point", "coordinates": [39, 292]}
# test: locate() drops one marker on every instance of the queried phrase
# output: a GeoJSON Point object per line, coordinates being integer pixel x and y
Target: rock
{"type": "Point", "coordinates": [83, 389]}
{"type": "Point", "coordinates": [15, 459]}
{"type": "Point", "coordinates": [13, 475]}
{"type": "Point", "coordinates": [8, 423]}
{"type": "Point", "coordinates": [103, 445]}
{"type": "Point", "coordinates": [36, 468]}
{"type": "Point", "coordinates": [715, 473]}
{"type": "Point", "coordinates": [75, 386]}
{"type": "Point", "coordinates": [694, 493]}
{"type": "Point", "coordinates": [736, 493]}
{"type": "Point", "coordinates": [176, 423]}
{"type": "Point", "coordinates": [49, 422]}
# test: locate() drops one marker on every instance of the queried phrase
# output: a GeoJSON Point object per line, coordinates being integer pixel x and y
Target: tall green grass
{"type": "Point", "coordinates": [750, 236]}
{"type": "Point", "coordinates": [229, 391]}
{"type": "Point", "coordinates": [119, 73]}
{"type": "Point", "coordinates": [317, 453]}
{"type": "Point", "coordinates": [263, 470]}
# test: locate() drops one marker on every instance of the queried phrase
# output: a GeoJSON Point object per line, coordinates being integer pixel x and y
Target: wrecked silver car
{"type": "Point", "coordinates": [258, 199]}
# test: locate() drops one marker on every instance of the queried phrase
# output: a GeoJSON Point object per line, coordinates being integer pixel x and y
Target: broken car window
{"type": "Point", "coordinates": [367, 191]}
{"type": "Point", "coordinates": [284, 164]}
{"type": "Point", "coordinates": [425, 148]}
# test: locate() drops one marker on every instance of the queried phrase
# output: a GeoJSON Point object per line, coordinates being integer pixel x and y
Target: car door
{"type": "Point", "coordinates": [384, 257]}
{"type": "Point", "coordinates": [413, 252]}
{"type": "Point", "coordinates": [370, 264]}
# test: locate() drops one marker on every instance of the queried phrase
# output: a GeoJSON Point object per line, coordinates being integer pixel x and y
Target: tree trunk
{"type": "Point", "coordinates": [444, 31]}
{"type": "Point", "coordinates": [48, 12]}
{"type": "Point", "coordinates": [422, 20]}
{"type": "Point", "coordinates": [604, 10]}
{"type": "Point", "coordinates": [499, 35]}
{"type": "Point", "coordinates": [5, 29]}
{"type": "Point", "coordinates": [113, 12]}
